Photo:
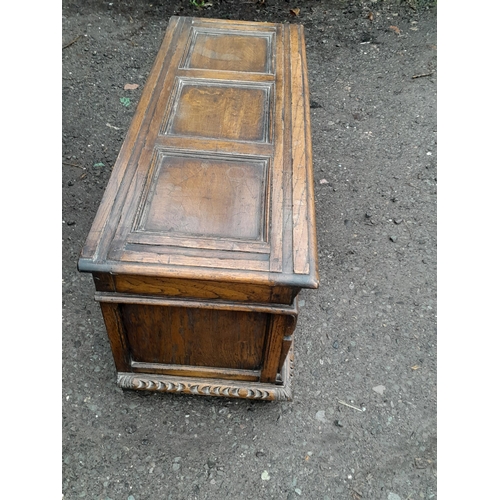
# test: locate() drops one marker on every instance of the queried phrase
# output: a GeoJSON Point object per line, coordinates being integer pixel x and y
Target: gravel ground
{"type": "Point", "coordinates": [363, 423]}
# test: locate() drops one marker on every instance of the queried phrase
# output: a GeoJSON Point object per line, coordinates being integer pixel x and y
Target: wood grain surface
{"type": "Point", "coordinates": [218, 158]}
{"type": "Point", "coordinates": [206, 231]}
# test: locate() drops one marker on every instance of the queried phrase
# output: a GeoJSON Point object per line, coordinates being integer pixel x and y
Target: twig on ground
{"type": "Point", "coordinates": [72, 42]}
{"type": "Point", "coordinates": [408, 227]}
{"type": "Point", "coordinates": [350, 406]}
{"type": "Point", "coordinates": [423, 74]}
{"type": "Point", "coordinates": [411, 6]}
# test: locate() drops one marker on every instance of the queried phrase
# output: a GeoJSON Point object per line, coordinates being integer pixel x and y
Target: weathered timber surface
{"type": "Point", "coordinates": [206, 231]}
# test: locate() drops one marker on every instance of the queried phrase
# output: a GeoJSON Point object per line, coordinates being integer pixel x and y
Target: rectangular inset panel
{"type": "Point", "coordinates": [233, 111]}
{"type": "Point", "coordinates": [224, 50]}
{"type": "Point", "coordinates": [200, 337]}
{"type": "Point", "coordinates": [206, 197]}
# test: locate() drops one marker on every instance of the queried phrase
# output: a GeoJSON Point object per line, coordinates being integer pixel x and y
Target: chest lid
{"type": "Point", "coordinates": [214, 179]}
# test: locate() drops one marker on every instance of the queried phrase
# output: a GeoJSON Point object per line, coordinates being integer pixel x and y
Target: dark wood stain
{"type": "Point", "coordinates": [206, 232]}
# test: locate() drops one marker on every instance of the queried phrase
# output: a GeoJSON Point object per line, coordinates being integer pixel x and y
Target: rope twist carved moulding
{"type": "Point", "coordinates": [163, 384]}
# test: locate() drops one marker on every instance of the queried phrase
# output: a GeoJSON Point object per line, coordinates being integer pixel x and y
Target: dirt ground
{"type": "Point", "coordinates": [366, 337]}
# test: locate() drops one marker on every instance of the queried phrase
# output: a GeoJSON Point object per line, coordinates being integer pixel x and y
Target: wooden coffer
{"type": "Point", "coordinates": [206, 232]}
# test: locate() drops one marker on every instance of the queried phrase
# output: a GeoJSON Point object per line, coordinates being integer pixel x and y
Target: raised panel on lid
{"type": "Point", "coordinates": [204, 196]}
{"type": "Point", "coordinates": [225, 51]}
{"type": "Point", "coordinates": [219, 110]}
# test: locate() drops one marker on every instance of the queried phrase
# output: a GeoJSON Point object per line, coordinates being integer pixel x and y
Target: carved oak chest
{"type": "Point", "coordinates": [206, 232]}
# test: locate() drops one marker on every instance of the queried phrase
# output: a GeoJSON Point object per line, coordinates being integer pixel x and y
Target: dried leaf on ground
{"type": "Point", "coordinates": [421, 463]}
{"type": "Point", "coordinates": [395, 29]}
{"type": "Point", "coordinates": [295, 12]}
{"type": "Point", "coordinates": [370, 16]}
{"type": "Point", "coordinates": [131, 86]}
{"type": "Point", "coordinates": [323, 181]}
